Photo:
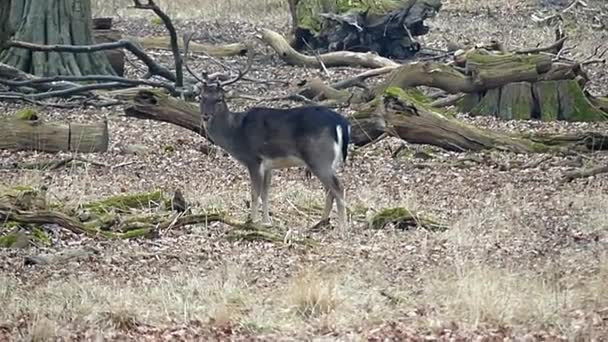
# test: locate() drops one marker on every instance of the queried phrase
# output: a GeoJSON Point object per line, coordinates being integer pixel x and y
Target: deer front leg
{"type": "Point", "coordinates": [256, 175]}
{"type": "Point", "coordinates": [265, 191]}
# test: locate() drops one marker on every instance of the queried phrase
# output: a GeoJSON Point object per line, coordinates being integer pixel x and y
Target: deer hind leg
{"type": "Point", "coordinates": [265, 190]}
{"type": "Point", "coordinates": [256, 176]}
{"type": "Point", "coordinates": [334, 192]}
{"type": "Point", "coordinates": [329, 203]}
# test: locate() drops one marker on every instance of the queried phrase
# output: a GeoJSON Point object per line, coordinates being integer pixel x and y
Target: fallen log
{"type": "Point", "coordinates": [404, 114]}
{"type": "Point", "coordinates": [584, 173]}
{"type": "Point", "coordinates": [332, 59]}
{"type": "Point", "coordinates": [155, 104]}
{"type": "Point", "coordinates": [30, 133]}
{"type": "Point", "coordinates": [220, 50]}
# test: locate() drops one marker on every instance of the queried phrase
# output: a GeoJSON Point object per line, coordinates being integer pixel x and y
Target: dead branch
{"type": "Point", "coordinates": [34, 81]}
{"type": "Point", "coordinates": [150, 5]}
{"type": "Point", "coordinates": [584, 173]}
{"type": "Point", "coordinates": [357, 80]}
{"type": "Point", "coordinates": [447, 101]}
{"type": "Point", "coordinates": [555, 47]}
{"type": "Point", "coordinates": [332, 59]}
{"type": "Point", "coordinates": [153, 67]}
{"type": "Point", "coordinates": [164, 43]}
{"type": "Point", "coordinates": [84, 89]}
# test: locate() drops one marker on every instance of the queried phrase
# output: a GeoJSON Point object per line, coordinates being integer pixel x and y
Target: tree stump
{"type": "Point", "coordinates": [387, 27]}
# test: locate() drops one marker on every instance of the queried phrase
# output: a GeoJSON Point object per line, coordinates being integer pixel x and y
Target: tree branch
{"type": "Point", "coordinates": [150, 5]}
{"type": "Point", "coordinates": [153, 67]}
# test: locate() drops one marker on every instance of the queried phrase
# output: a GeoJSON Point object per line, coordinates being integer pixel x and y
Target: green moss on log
{"type": "Point", "coordinates": [403, 218]}
{"type": "Point", "coordinates": [125, 203]}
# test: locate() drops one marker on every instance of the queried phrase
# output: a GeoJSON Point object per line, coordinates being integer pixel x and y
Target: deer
{"type": "Point", "coordinates": [264, 139]}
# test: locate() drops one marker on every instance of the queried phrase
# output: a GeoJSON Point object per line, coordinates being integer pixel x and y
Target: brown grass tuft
{"type": "Point", "coordinates": [312, 293]}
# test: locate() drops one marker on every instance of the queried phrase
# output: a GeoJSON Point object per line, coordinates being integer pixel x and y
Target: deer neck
{"type": "Point", "coordinates": [224, 127]}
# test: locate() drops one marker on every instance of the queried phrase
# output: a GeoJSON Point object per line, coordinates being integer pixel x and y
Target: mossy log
{"type": "Point", "coordinates": [125, 203]}
{"type": "Point", "coordinates": [51, 23]}
{"type": "Point", "coordinates": [497, 71]}
{"type": "Point", "coordinates": [403, 218]}
{"type": "Point", "coordinates": [398, 113]}
{"type": "Point", "coordinates": [506, 85]}
{"type": "Point", "coordinates": [35, 134]}
{"type": "Point", "coordinates": [214, 50]}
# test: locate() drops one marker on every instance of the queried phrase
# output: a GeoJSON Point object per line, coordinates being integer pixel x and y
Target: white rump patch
{"type": "Point", "coordinates": [338, 148]}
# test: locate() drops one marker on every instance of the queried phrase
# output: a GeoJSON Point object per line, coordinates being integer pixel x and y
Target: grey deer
{"type": "Point", "coordinates": [263, 139]}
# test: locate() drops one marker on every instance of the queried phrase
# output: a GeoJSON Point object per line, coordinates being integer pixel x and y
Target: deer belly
{"type": "Point", "coordinates": [282, 162]}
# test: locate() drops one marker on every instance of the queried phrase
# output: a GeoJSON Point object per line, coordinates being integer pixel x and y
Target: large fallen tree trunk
{"type": "Point", "coordinates": [30, 133]}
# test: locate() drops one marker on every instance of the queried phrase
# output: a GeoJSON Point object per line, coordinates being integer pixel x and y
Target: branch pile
{"type": "Point", "coordinates": [143, 215]}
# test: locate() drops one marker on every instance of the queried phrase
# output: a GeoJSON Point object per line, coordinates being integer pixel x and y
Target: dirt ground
{"type": "Point", "coordinates": [525, 256]}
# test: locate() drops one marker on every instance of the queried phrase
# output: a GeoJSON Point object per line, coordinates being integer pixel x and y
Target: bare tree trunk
{"type": "Point", "coordinates": [63, 22]}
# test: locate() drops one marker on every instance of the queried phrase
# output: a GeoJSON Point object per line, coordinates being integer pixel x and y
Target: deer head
{"type": "Point", "coordinates": [212, 99]}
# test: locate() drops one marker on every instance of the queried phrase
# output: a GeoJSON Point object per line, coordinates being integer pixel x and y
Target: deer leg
{"type": "Point", "coordinates": [329, 202]}
{"type": "Point", "coordinates": [256, 175]}
{"type": "Point", "coordinates": [334, 188]}
{"type": "Point", "coordinates": [265, 190]}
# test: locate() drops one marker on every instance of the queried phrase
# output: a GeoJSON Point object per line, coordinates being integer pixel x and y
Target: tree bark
{"type": "Point", "coordinates": [16, 134]}
{"type": "Point", "coordinates": [5, 29]}
{"type": "Point", "coordinates": [55, 22]}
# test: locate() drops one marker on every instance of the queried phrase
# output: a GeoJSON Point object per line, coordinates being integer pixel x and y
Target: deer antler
{"type": "Point", "coordinates": [187, 38]}
{"type": "Point", "coordinates": [241, 72]}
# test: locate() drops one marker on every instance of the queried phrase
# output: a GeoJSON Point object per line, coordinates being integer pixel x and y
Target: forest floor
{"type": "Point", "coordinates": [525, 256]}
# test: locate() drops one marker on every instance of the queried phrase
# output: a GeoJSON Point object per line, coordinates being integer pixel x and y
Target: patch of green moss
{"type": "Point", "coordinates": [16, 239]}
{"type": "Point", "coordinates": [417, 98]}
{"type": "Point", "coordinates": [582, 109]}
{"type": "Point", "coordinates": [27, 114]}
{"type": "Point", "coordinates": [156, 21]}
{"type": "Point", "coordinates": [7, 241]}
{"type": "Point", "coordinates": [40, 236]}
